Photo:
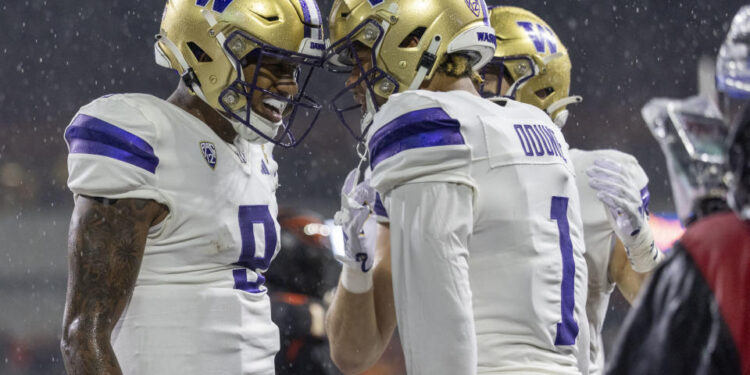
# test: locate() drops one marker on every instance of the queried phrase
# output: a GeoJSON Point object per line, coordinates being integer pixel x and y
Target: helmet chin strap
{"type": "Point", "coordinates": [562, 117]}
{"type": "Point", "coordinates": [186, 69]}
{"type": "Point", "coordinates": [220, 38]}
{"type": "Point", "coordinates": [261, 123]}
{"type": "Point", "coordinates": [425, 65]}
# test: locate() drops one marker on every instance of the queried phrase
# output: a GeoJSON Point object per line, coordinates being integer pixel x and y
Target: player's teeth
{"type": "Point", "coordinates": [276, 104]}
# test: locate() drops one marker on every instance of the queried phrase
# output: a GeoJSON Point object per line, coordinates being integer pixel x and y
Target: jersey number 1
{"type": "Point", "coordinates": [567, 330]}
{"type": "Point", "coordinates": [248, 217]}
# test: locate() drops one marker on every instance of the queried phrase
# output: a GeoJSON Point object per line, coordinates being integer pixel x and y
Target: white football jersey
{"type": "Point", "coordinates": [526, 251]}
{"type": "Point", "coordinates": [199, 305]}
{"type": "Point", "coordinates": [600, 240]}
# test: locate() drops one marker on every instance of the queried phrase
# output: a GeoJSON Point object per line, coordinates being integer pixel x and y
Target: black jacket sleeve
{"type": "Point", "coordinates": [675, 327]}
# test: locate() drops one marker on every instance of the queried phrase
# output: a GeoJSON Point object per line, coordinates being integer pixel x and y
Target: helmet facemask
{"type": "Point", "coordinates": [525, 68]}
{"type": "Point", "coordinates": [237, 98]}
{"type": "Point", "coordinates": [342, 57]}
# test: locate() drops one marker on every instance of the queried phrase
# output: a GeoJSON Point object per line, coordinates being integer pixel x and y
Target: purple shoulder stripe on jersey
{"type": "Point", "coordinates": [428, 127]}
{"type": "Point", "coordinates": [90, 135]}
{"type": "Point", "coordinates": [306, 14]}
{"type": "Point", "coordinates": [379, 208]}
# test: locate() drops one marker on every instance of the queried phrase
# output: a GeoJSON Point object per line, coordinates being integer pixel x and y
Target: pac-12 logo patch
{"type": "Point", "coordinates": [474, 6]}
{"type": "Point", "coordinates": [209, 153]}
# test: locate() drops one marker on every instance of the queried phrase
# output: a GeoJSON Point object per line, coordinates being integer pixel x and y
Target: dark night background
{"type": "Point", "coordinates": [56, 56]}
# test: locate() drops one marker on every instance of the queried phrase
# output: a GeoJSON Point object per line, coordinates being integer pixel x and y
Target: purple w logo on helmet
{"type": "Point", "coordinates": [542, 36]}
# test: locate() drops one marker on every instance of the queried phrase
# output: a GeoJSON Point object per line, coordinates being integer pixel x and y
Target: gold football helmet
{"type": "Point", "coordinates": [209, 42]}
{"type": "Point", "coordinates": [387, 27]}
{"type": "Point", "coordinates": [533, 59]}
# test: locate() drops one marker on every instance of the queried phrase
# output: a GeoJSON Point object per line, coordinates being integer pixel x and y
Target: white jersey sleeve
{"type": "Point", "coordinates": [600, 240]}
{"type": "Point", "coordinates": [112, 151]}
{"type": "Point", "coordinates": [429, 250]}
{"type": "Point", "coordinates": [419, 157]}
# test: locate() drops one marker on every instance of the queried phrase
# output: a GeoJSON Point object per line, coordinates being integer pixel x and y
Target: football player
{"type": "Point", "coordinates": [485, 242]}
{"type": "Point", "coordinates": [532, 66]}
{"type": "Point", "coordinates": [175, 210]}
{"type": "Point", "coordinates": [693, 317]}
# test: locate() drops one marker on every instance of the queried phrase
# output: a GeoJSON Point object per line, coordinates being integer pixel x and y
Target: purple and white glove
{"type": "Point", "coordinates": [358, 223]}
{"type": "Point", "coordinates": [628, 217]}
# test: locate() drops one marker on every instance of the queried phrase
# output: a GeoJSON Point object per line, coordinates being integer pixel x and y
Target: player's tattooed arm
{"type": "Point", "coordinates": [105, 248]}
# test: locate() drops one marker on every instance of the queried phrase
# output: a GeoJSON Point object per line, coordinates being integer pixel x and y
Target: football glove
{"type": "Point", "coordinates": [628, 217]}
{"type": "Point", "coordinates": [357, 220]}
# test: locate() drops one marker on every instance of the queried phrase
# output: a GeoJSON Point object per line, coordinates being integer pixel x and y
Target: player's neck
{"type": "Point", "coordinates": [443, 82]}
{"type": "Point", "coordinates": [181, 97]}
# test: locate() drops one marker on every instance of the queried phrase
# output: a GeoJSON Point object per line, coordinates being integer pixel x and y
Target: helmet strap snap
{"type": "Point", "coordinates": [426, 62]}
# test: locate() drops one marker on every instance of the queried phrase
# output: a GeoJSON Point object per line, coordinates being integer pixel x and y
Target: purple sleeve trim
{"type": "Point", "coordinates": [428, 127]}
{"type": "Point", "coordinates": [645, 199]}
{"type": "Point", "coordinates": [90, 135]}
{"type": "Point", "coordinates": [379, 208]}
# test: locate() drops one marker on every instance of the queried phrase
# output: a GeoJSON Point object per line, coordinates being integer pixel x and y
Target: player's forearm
{"type": "Point", "coordinates": [105, 249]}
{"type": "Point", "coordinates": [628, 280]}
{"type": "Point", "coordinates": [630, 284]}
{"type": "Point", "coordinates": [351, 323]}
{"type": "Point", "coordinates": [86, 351]}
{"type": "Point", "coordinates": [360, 325]}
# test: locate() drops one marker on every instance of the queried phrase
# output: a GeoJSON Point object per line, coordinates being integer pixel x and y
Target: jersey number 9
{"type": "Point", "coordinates": [249, 216]}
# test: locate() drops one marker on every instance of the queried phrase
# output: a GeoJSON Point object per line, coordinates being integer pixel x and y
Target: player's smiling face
{"type": "Point", "coordinates": [276, 76]}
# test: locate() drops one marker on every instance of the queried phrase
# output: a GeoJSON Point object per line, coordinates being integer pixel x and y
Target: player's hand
{"type": "Point", "coordinates": [628, 217]}
{"type": "Point", "coordinates": [620, 195]}
{"type": "Point", "coordinates": [357, 220]}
